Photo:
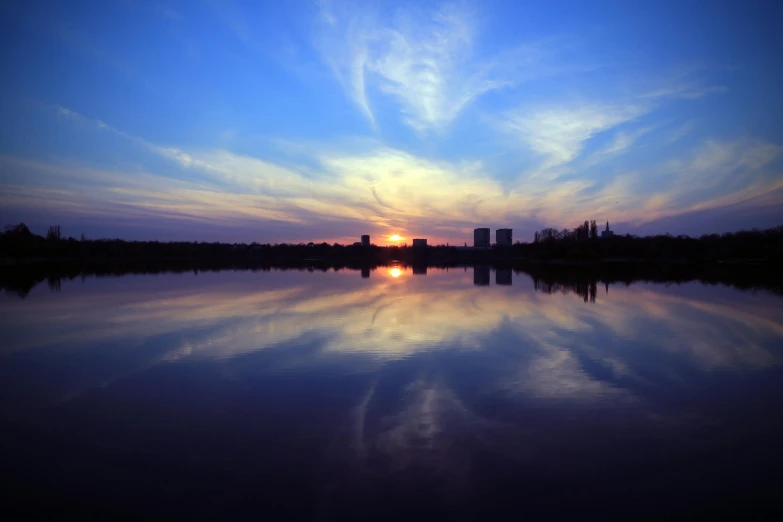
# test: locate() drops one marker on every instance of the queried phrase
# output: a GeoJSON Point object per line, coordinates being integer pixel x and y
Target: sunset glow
{"type": "Point", "coordinates": [424, 121]}
{"type": "Point", "coordinates": [395, 272]}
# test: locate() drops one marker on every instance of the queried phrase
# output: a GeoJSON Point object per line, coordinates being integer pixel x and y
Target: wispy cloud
{"type": "Point", "coordinates": [715, 174]}
{"type": "Point", "coordinates": [689, 90]}
{"type": "Point", "coordinates": [172, 153]}
{"type": "Point", "coordinates": [719, 162]}
{"type": "Point", "coordinates": [559, 134]}
{"type": "Point", "coordinates": [681, 131]}
{"type": "Point", "coordinates": [426, 61]}
{"type": "Point", "coordinates": [389, 190]}
{"type": "Point", "coordinates": [621, 142]}
{"type": "Point", "coordinates": [559, 131]}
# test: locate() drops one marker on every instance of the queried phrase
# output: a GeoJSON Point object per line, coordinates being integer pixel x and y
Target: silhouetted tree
{"type": "Point", "coordinates": [53, 234]}
{"type": "Point", "coordinates": [18, 230]}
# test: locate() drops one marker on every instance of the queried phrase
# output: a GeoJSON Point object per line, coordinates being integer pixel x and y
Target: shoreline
{"type": "Point", "coordinates": [21, 278]}
{"type": "Point", "coordinates": [359, 261]}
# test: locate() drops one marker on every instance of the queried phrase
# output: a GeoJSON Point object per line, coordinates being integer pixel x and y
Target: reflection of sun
{"type": "Point", "coordinates": [395, 237]}
{"type": "Point", "coordinates": [395, 272]}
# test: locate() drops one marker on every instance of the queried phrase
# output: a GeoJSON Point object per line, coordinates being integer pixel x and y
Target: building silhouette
{"type": "Point", "coordinates": [419, 243]}
{"type": "Point", "coordinates": [607, 232]}
{"type": "Point", "coordinates": [481, 237]}
{"type": "Point", "coordinates": [503, 237]}
{"type": "Point", "coordinates": [419, 269]}
{"type": "Point", "coordinates": [365, 240]}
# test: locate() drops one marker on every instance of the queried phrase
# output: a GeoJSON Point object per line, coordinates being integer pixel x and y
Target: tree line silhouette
{"type": "Point", "coordinates": [581, 244]}
{"type": "Point", "coordinates": [584, 232]}
{"type": "Point", "coordinates": [584, 243]}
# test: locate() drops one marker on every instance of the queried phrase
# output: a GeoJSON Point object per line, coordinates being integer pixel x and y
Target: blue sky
{"type": "Point", "coordinates": [298, 121]}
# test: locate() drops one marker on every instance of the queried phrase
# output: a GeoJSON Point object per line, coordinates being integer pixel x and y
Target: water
{"type": "Point", "coordinates": [387, 393]}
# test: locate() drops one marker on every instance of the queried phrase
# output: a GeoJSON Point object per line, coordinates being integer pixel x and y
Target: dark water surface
{"type": "Point", "coordinates": [459, 394]}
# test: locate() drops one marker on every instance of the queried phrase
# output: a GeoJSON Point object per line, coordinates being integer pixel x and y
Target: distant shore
{"type": "Point", "coordinates": [353, 261]}
{"type": "Point", "coordinates": [19, 246]}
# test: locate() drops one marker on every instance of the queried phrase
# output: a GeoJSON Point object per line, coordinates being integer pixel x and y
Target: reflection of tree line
{"type": "Point", "coordinates": [586, 290]}
{"type": "Point", "coordinates": [55, 283]}
{"type": "Point", "coordinates": [547, 278]}
{"type": "Point", "coordinates": [22, 279]}
{"type": "Point", "coordinates": [584, 279]}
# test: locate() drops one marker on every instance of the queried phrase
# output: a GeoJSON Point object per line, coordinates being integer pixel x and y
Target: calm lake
{"type": "Point", "coordinates": [459, 393]}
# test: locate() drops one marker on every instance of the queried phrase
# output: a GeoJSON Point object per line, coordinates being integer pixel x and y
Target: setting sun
{"type": "Point", "coordinates": [395, 272]}
{"type": "Point", "coordinates": [395, 237]}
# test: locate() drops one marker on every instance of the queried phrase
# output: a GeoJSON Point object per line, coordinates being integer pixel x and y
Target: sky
{"type": "Point", "coordinates": [243, 121]}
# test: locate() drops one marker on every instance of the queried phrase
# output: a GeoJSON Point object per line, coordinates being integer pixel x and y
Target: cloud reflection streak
{"type": "Point", "coordinates": [396, 317]}
{"type": "Point", "coordinates": [391, 318]}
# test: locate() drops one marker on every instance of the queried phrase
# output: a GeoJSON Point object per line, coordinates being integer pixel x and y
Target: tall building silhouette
{"type": "Point", "coordinates": [503, 237]}
{"type": "Point", "coordinates": [481, 237]}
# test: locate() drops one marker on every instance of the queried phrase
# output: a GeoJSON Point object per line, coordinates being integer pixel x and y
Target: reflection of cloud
{"type": "Point", "coordinates": [535, 347]}
{"type": "Point", "coordinates": [423, 434]}
{"type": "Point", "coordinates": [396, 318]}
{"type": "Point", "coordinates": [712, 335]}
{"type": "Point", "coordinates": [557, 374]}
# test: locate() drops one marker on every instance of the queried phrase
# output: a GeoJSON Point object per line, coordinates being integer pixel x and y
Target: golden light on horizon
{"type": "Point", "coordinates": [395, 272]}
{"type": "Point", "coordinates": [396, 238]}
